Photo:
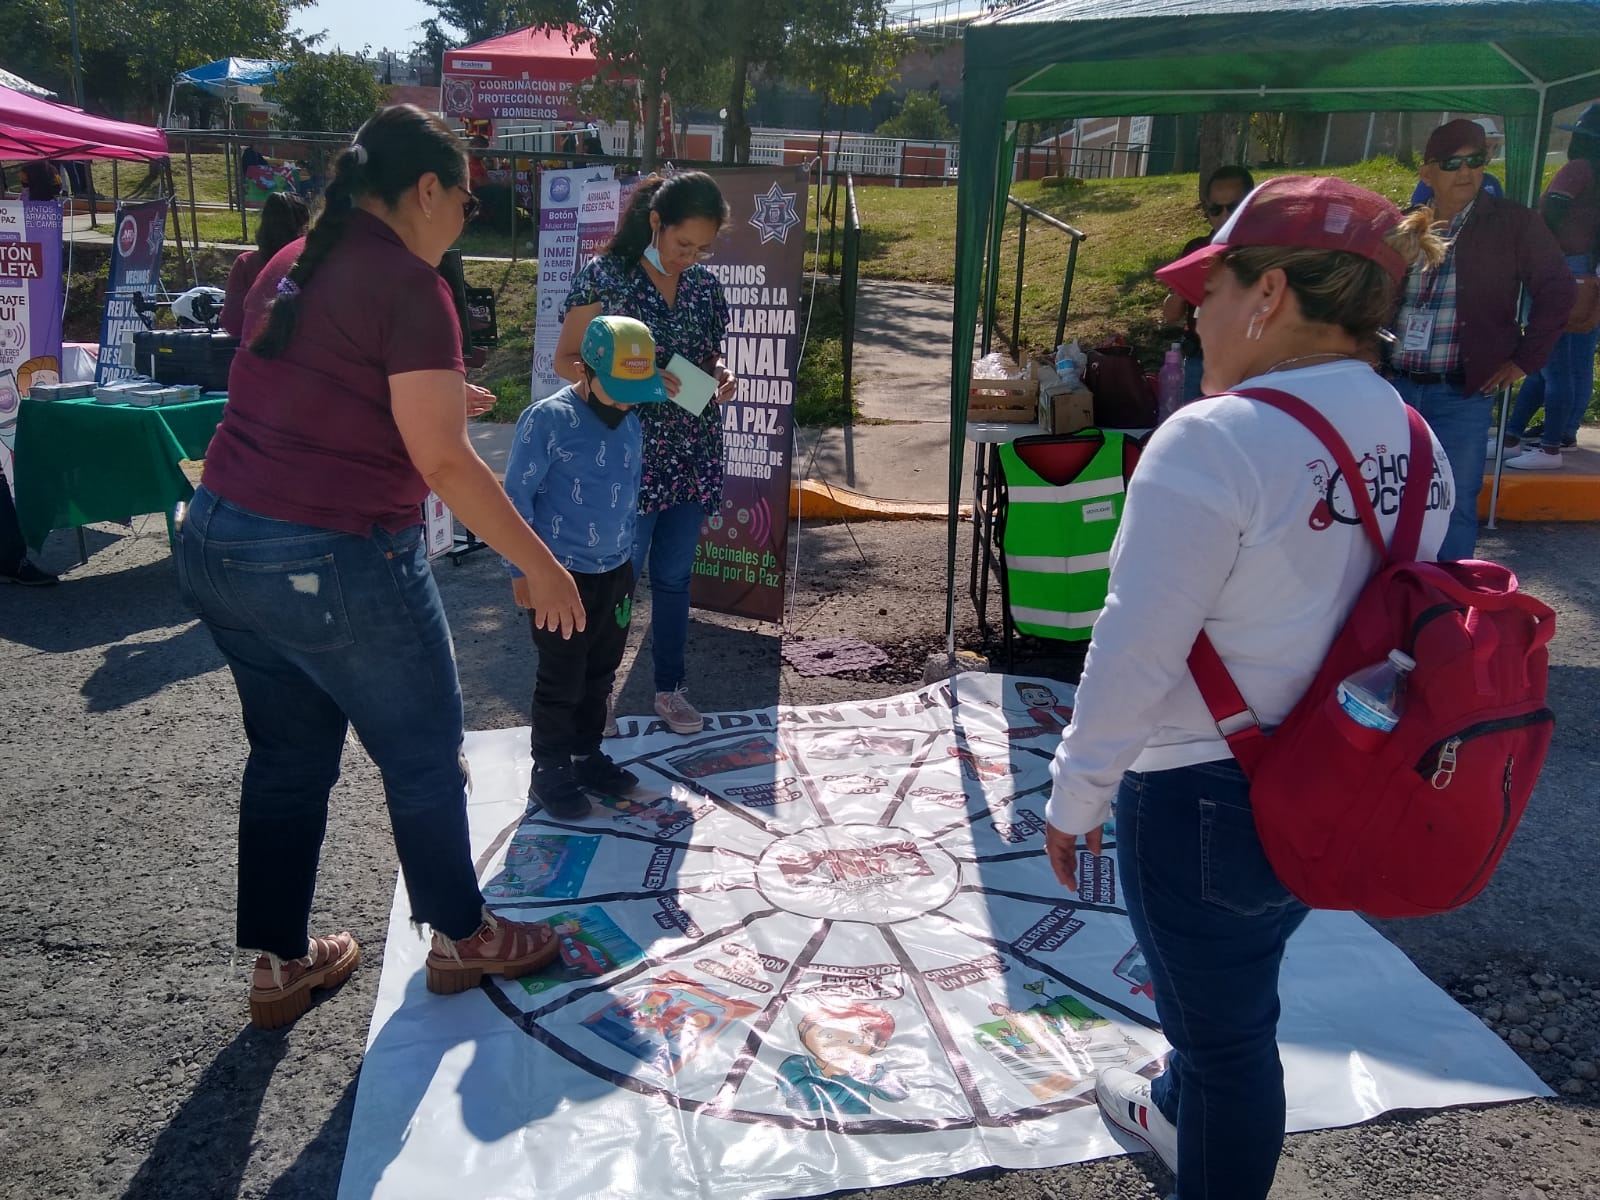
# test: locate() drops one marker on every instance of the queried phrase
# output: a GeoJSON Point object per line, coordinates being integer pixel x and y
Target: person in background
{"type": "Point", "coordinates": [569, 142]}
{"type": "Point", "coordinates": [573, 474]}
{"type": "Point", "coordinates": [39, 180]}
{"type": "Point", "coordinates": [1458, 336]}
{"type": "Point", "coordinates": [14, 564]}
{"type": "Point", "coordinates": [1423, 194]}
{"type": "Point", "coordinates": [591, 140]}
{"type": "Point", "coordinates": [653, 272]}
{"type": "Point", "coordinates": [1225, 532]}
{"type": "Point", "coordinates": [302, 552]}
{"type": "Point", "coordinates": [1571, 207]}
{"type": "Point", "coordinates": [1225, 188]}
{"type": "Point", "coordinates": [477, 165]}
{"type": "Point", "coordinates": [284, 217]}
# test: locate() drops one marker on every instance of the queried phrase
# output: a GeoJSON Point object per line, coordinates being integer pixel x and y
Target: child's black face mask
{"type": "Point", "coordinates": [610, 415]}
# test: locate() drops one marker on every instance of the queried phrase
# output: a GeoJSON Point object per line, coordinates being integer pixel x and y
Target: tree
{"type": "Point", "coordinates": [325, 92]}
{"type": "Point", "coordinates": [844, 53]}
{"type": "Point", "coordinates": [647, 40]}
{"type": "Point", "coordinates": [1219, 144]}
{"type": "Point", "coordinates": [473, 20]}
{"type": "Point", "coordinates": [131, 49]}
{"type": "Point", "coordinates": [762, 36]}
{"type": "Point", "coordinates": [921, 118]}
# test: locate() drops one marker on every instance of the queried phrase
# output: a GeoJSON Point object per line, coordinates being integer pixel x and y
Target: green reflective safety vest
{"type": "Point", "coordinates": [1055, 542]}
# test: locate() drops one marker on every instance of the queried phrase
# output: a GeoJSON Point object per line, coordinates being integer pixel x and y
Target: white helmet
{"type": "Point", "coordinates": [199, 306]}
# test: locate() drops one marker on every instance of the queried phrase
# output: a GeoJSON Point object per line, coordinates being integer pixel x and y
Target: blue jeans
{"type": "Point", "coordinates": [1212, 920]}
{"type": "Point", "coordinates": [325, 630]}
{"type": "Point", "coordinates": [667, 541]}
{"type": "Point", "coordinates": [1194, 369]}
{"type": "Point", "coordinates": [1563, 388]}
{"type": "Point", "coordinates": [1461, 423]}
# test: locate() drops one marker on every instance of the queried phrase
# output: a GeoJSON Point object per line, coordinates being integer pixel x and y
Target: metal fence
{"type": "Point", "coordinates": [1026, 213]}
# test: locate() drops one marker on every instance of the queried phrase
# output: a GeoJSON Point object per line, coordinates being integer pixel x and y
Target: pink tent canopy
{"type": "Point", "coordinates": [31, 128]}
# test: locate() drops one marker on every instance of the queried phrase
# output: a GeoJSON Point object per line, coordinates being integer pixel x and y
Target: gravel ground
{"type": "Point", "coordinates": [126, 1066]}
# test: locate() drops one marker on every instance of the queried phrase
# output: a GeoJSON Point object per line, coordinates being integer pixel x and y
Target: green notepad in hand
{"type": "Point", "coordinates": [695, 387]}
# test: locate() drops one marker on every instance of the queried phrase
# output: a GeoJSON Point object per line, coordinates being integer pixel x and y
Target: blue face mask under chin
{"type": "Point", "coordinates": [653, 257]}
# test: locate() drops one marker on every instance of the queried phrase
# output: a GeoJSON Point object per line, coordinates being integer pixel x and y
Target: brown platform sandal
{"type": "Point", "coordinates": [280, 989]}
{"type": "Point", "coordinates": [510, 949]}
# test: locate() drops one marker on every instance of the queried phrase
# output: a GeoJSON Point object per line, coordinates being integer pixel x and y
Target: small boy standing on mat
{"type": "Point", "coordinates": [574, 476]}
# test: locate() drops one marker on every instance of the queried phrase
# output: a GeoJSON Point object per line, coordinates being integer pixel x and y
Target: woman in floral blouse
{"type": "Point", "coordinates": [652, 272]}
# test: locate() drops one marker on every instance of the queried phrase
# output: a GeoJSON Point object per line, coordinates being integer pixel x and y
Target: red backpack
{"type": "Point", "coordinates": [1413, 821]}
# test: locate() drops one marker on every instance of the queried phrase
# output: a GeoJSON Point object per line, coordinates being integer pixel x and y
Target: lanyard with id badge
{"type": "Point", "coordinates": [1416, 333]}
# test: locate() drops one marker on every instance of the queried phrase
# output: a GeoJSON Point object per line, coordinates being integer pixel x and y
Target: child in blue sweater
{"type": "Point", "coordinates": [574, 476]}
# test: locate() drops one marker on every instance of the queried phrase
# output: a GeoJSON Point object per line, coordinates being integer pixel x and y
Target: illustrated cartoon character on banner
{"type": "Point", "coordinates": [839, 1071]}
{"type": "Point", "coordinates": [1048, 714]}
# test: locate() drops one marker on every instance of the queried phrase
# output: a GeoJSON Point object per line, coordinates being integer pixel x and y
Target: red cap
{"type": "Point", "coordinates": [1316, 212]}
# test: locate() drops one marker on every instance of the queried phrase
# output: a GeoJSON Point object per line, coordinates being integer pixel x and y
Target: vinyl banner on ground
{"type": "Point", "coordinates": [760, 260]}
{"type": "Point", "coordinates": [821, 949]}
{"type": "Point", "coordinates": [30, 309]}
{"type": "Point", "coordinates": [135, 267]}
{"type": "Point", "coordinates": [577, 216]}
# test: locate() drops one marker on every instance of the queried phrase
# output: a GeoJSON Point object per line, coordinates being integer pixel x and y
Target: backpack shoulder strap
{"type": "Point", "coordinates": [1236, 720]}
{"type": "Point", "coordinates": [1407, 540]}
{"type": "Point", "coordinates": [1322, 429]}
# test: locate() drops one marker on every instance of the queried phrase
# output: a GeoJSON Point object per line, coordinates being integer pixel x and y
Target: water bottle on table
{"type": "Point", "coordinates": [1169, 384]}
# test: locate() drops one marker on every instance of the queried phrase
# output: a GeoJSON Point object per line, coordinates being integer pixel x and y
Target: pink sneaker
{"type": "Point", "coordinates": [681, 716]}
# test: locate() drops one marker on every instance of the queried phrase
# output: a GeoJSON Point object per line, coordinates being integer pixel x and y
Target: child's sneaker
{"type": "Point", "coordinates": [681, 717]}
{"type": "Point", "coordinates": [510, 949]}
{"type": "Point", "coordinates": [557, 791]}
{"type": "Point", "coordinates": [598, 773]}
{"type": "Point", "coordinates": [1125, 1103]}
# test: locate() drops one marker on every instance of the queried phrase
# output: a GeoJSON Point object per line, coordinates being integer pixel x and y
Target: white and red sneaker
{"type": "Point", "coordinates": [1126, 1105]}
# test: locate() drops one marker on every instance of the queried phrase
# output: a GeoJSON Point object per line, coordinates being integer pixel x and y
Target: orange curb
{"type": "Point", "coordinates": [823, 501]}
{"type": "Point", "coordinates": [1553, 497]}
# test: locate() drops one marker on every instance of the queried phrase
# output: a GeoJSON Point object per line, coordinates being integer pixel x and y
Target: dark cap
{"type": "Point", "coordinates": [1453, 137]}
{"type": "Point", "coordinates": [1589, 123]}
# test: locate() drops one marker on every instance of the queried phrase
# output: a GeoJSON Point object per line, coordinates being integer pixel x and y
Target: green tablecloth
{"type": "Point", "coordinates": [79, 462]}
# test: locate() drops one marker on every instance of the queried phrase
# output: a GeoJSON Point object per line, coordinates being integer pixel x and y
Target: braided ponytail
{"type": "Point", "coordinates": [390, 153]}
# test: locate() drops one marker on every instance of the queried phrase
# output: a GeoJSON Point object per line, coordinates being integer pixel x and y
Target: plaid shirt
{"type": "Point", "coordinates": [1433, 292]}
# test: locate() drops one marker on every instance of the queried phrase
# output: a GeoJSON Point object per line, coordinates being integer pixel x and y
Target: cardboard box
{"type": "Point", "coordinates": [1068, 410]}
{"type": "Point", "coordinates": [1065, 405]}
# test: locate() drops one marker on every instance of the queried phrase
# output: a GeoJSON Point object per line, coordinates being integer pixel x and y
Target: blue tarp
{"type": "Point", "coordinates": [225, 74]}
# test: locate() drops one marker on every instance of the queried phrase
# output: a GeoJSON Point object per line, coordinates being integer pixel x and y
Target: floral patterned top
{"type": "Point", "coordinates": [682, 452]}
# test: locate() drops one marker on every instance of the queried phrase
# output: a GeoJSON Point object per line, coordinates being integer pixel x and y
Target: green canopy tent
{"type": "Point", "coordinates": [1059, 59]}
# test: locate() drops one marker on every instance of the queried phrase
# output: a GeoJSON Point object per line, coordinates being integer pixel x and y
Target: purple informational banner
{"type": "Point", "coordinates": [135, 267]}
{"type": "Point", "coordinates": [760, 260]}
{"type": "Point", "coordinates": [577, 216]}
{"type": "Point", "coordinates": [30, 309]}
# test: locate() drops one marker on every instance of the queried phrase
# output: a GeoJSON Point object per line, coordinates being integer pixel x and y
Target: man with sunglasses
{"type": "Point", "coordinates": [1226, 189]}
{"type": "Point", "coordinates": [1458, 339]}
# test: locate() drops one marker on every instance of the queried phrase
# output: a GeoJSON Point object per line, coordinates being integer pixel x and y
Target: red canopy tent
{"type": "Point", "coordinates": [527, 76]}
{"type": "Point", "coordinates": [31, 128]}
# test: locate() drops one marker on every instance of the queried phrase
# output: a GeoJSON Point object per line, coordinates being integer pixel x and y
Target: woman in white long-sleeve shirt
{"type": "Point", "coordinates": [1237, 524]}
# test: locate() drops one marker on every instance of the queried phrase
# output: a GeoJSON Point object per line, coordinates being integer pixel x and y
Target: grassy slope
{"type": "Point", "coordinates": [1133, 226]}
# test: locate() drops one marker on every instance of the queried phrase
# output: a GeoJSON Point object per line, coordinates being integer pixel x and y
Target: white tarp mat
{"type": "Point", "coordinates": [822, 949]}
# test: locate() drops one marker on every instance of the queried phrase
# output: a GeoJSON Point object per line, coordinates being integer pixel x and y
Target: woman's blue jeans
{"type": "Point", "coordinates": [668, 541]}
{"type": "Point", "coordinates": [324, 631]}
{"type": "Point", "coordinates": [1212, 920]}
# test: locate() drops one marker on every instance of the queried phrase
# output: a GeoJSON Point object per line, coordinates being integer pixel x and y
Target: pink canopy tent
{"type": "Point", "coordinates": [31, 128]}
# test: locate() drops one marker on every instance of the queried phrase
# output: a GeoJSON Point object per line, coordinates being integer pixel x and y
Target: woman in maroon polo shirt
{"type": "Point", "coordinates": [302, 552]}
{"type": "Point", "coordinates": [284, 217]}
